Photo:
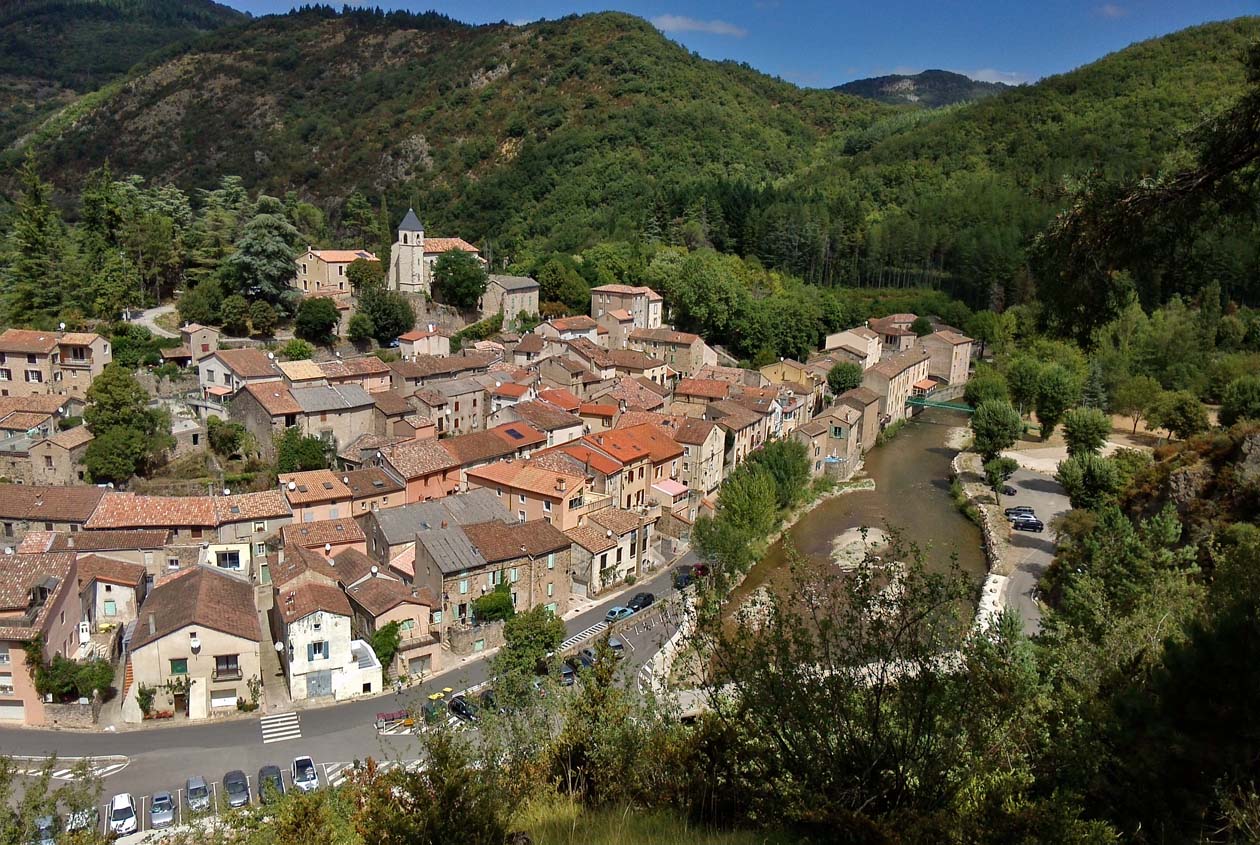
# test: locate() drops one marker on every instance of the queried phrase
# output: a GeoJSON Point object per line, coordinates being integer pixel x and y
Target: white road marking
{"type": "Point", "coordinates": [582, 635]}
{"type": "Point", "coordinates": [280, 727]}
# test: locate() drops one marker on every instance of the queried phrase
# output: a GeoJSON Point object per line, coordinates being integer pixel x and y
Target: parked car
{"type": "Point", "coordinates": [305, 775]}
{"type": "Point", "coordinates": [640, 601]}
{"type": "Point", "coordinates": [567, 674]}
{"type": "Point", "coordinates": [236, 788]}
{"type": "Point", "coordinates": [584, 659]}
{"type": "Point", "coordinates": [682, 576]}
{"type": "Point", "coordinates": [198, 792]}
{"type": "Point", "coordinates": [463, 709]}
{"type": "Point", "coordinates": [618, 613]}
{"type": "Point", "coordinates": [1008, 490]}
{"type": "Point", "coordinates": [1028, 524]}
{"type": "Point", "coordinates": [617, 646]}
{"type": "Point", "coordinates": [700, 570]}
{"type": "Point", "coordinates": [486, 701]}
{"type": "Point", "coordinates": [270, 784]}
{"type": "Point", "coordinates": [46, 830]}
{"type": "Point", "coordinates": [433, 712]}
{"type": "Point", "coordinates": [1011, 513]}
{"type": "Point", "coordinates": [161, 810]}
{"type": "Point", "coordinates": [122, 814]}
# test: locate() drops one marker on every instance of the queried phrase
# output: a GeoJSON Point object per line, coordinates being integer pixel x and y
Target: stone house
{"type": "Point", "coordinates": [894, 379]}
{"type": "Point", "coordinates": [632, 394]}
{"type": "Point", "coordinates": [644, 305]}
{"type": "Point", "coordinates": [143, 546]}
{"type": "Point", "coordinates": [316, 494]}
{"type": "Point", "coordinates": [529, 349]}
{"type": "Point", "coordinates": [372, 488]}
{"type": "Point", "coordinates": [58, 459]}
{"type": "Point", "coordinates": [867, 402]}
{"type": "Point", "coordinates": [467, 403]}
{"type": "Point", "coordinates": [198, 629]}
{"type": "Point", "coordinates": [509, 296]}
{"type": "Point", "coordinates": [28, 507]}
{"type": "Point", "coordinates": [635, 462]}
{"type": "Point", "coordinates": [412, 256]}
{"type": "Point", "coordinates": [564, 373]}
{"type": "Point", "coordinates": [329, 536]}
{"type": "Point", "coordinates": [559, 426]}
{"type": "Point", "coordinates": [569, 328]}
{"type": "Point", "coordinates": [894, 332]}
{"type": "Point", "coordinates": [534, 493]}
{"type": "Point", "coordinates": [226, 371]}
{"type": "Point", "coordinates": [245, 522]}
{"type": "Point", "coordinates": [422, 370]}
{"type": "Point", "coordinates": [704, 447]}
{"type": "Point", "coordinates": [321, 270]}
{"type": "Point", "coordinates": [427, 468]}
{"type": "Point", "coordinates": [693, 395]}
{"type": "Point", "coordinates": [950, 356]}
{"type": "Point", "coordinates": [833, 442]}
{"type": "Point", "coordinates": [505, 394]}
{"type": "Point", "coordinates": [686, 353]}
{"type": "Point", "coordinates": [39, 596]}
{"type": "Point", "coordinates": [36, 363]}
{"type": "Point", "coordinates": [111, 591]}
{"type": "Point", "coordinates": [431, 341]}
{"type": "Point", "coordinates": [391, 534]}
{"type": "Point", "coordinates": [367, 371]}
{"type": "Point", "coordinates": [746, 430]}
{"type": "Point", "coordinates": [336, 415]}
{"type": "Point", "coordinates": [377, 602]}
{"type": "Point", "coordinates": [597, 416]}
{"type": "Point", "coordinates": [321, 658]}
{"type": "Point", "coordinates": [859, 345]}
{"type": "Point", "coordinates": [618, 324]}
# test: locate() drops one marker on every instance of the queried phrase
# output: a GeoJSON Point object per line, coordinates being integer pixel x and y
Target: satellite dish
{"type": "Point", "coordinates": [292, 486]}
{"type": "Point", "coordinates": [375, 570]}
{"type": "Point", "coordinates": [271, 356]}
{"type": "Point", "coordinates": [61, 326]}
{"type": "Point", "coordinates": [327, 548]}
{"type": "Point", "coordinates": [227, 492]}
{"type": "Point", "coordinates": [345, 479]}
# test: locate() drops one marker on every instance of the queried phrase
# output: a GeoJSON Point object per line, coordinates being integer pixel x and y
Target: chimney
{"type": "Point", "coordinates": [444, 523]}
{"type": "Point", "coordinates": [70, 542]}
{"type": "Point", "coordinates": [152, 624]}
{"type": "Point", "coordinates": [560, 485]}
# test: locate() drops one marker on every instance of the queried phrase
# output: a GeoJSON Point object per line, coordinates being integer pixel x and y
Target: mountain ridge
{"type": "Point", "coordinates": [929, 89]}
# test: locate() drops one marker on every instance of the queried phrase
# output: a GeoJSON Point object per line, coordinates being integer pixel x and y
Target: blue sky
{"type": "Point", "coordinates": [821, 43]}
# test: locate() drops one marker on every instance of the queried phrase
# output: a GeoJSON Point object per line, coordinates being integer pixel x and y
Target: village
{"type": "Point", "coordinates": [556, 465]}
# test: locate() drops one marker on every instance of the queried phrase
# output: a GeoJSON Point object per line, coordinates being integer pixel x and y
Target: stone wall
{"type": "Point", "coordinates": [993, 527]}
{"type": "Point", "coordinates": [460, 639]}
{"type": "Point", "coordinates": [72, 715]}
{"type": "Point", "coordinates": [167, 387]}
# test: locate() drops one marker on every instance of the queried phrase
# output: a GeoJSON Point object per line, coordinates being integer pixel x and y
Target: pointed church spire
{"type": "Point", "coordinates": [411, 223]}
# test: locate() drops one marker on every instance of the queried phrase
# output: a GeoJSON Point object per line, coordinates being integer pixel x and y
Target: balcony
{"type": "Point", "coordinates": [76, 363]}
{"type": "Point", "coordinates": [229, 673]}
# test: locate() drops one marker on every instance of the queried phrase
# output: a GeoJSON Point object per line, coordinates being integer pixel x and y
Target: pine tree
{"type": "Point", "coordinates": [34, 271]}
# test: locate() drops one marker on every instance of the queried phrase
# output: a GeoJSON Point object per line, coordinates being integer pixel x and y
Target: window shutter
{"type": "Point", "coordinates": [310, 651]}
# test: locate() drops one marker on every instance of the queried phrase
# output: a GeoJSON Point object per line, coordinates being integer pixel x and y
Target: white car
{"type": "Point", "coordinates": [305, 775]}
{"type": "Point", "coordinates": [122, 815]}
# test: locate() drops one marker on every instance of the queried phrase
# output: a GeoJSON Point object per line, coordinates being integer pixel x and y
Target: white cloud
{"type": "Point", "coordinates": [681, 23]}
{"type": "Point", "coordinates": [1112, 10]}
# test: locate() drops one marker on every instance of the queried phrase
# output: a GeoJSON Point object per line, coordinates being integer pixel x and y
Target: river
{"type": "Point", "coordinates": [911, 474]}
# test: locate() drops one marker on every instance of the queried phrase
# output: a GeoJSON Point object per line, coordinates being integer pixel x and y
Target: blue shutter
{"type": "Point", "coordinates": [310, 651]}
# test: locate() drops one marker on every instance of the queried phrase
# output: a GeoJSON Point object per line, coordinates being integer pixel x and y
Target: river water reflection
{"type": "Point", "coordinates": [911, 494]}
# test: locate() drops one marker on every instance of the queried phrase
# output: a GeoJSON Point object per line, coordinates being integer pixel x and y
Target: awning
{"type": "Point", "coordinates": [218, 391]}
{"type": "Point", "coordinates": [670, 487]}
{"type": "Point", "coordinates": [926, 384]}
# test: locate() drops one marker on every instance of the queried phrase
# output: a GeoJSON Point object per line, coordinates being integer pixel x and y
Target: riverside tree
{"type": "Point", "coordinates": [995, 425]}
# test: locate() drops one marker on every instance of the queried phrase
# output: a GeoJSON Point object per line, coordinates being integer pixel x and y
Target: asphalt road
{"type": "Point", "coordinates": [1031, 554]}
{"type": "Point", "coordinates": [162, 758]}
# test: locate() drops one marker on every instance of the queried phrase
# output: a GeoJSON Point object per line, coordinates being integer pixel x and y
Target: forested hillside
{"type": "Point", "coordinates": [552, 137]}
{"type": "Point", "coordinates": [929, 89]}
{"type": "Point", "coordinates": [53, 50]}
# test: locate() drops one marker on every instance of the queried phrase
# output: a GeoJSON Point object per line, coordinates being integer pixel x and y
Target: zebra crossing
{"type": "Point", "coordinates": [335, 774]}
{"type": "Point", "coordinates": [582, 635]}
{"type": "Point", "coordinates": [280, 727]}
{"type": "Point", "coordinates": [67, 767]}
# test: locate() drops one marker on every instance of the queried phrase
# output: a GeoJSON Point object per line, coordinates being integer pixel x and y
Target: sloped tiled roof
{"type": "Point", "coordinates": [499, 541]}
{"type": "Point", "coordinates": [391, 403]}
{"type": "Point", "coordinates": [694, 432]}
{"type": "Point", "coordinates": [321, 532]}
{"type": "Point", "coordinates": [616, 520]}
{"type": "Point", "coordinates": [110, 541]}
{"type": "Point", "coordinates": [352, 565]}
{"type": "Point", "coordinates": [344, 256]}
{"type": "Point", "coordinates": [561, 398]}
{"type": "Point", "coordinates": [301, 370]}
{"type": "Point", "coordinates": [478, 446]}
{"type": "Point", "coordinates": [371, 481]}
{"type": "Point", "coordinates": [592, 538]}
{"type": "Point", "coordinates": [633, 393]}
{"type": "Point", "coordinates": [306, 599]}
{"type": "Point", "coordinates": [200, 596]}
{"type": "Point", "coordinates": [703, 388]}
{"type": "Point", "coordinates": [298, 560]}
{"type": "Point", "coordinates": [627, 289]}
{"type": "Point", "coordinates": [248, 363]}
{"type": "Point", "coordinates": [243, 507]}
{"type": "Point", "coordinates": [26, 341]}
{"type": "Point", "coordinates": [340, 397]}
{"type": "Point", "coordinates": [545, 416]}
{"type": "Point", "coordinates": [316, 485]}
{"type": "Point", "coordinates": [48, 504]}
{"type": "Point", "coordinates": [526, 475]}
{"type": "Point", "coordinates": [576, 323]}
{"type": "Point", "coordinates": [416, 458]}
{"type": "Point", "coordinates": [72, 438]}
{"type": "Point", "coordinates": [513, 283]}
{"type": "Point", "coordinates": [130, 510]}
{"type": "Point", "coordinates": [107, 569]}
{"type": "Point", "coordinates": [274, 397]}
{"type": "Point", "coordinates": [381, 595]}
{"type": "Point", "coordinates": [669, 336]}
{"type": "Point", "coordinates": [436, 245]}
{"type": "Point", "coordinates": [531, 343]}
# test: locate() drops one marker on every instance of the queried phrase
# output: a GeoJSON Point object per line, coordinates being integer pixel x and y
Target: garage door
{"type": "Point", "coordinates": [319, 683]}
{"type": "Point", "coordinates": [223, 697]}
{"type": "Point", "coordinates": [12, 711]}
{"type": "Point", "coordinates": [420, 666]}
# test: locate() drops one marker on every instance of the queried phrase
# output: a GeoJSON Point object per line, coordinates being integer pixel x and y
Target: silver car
{"type": "Point", "coordinates": [45, 830]}
{"type": "Point", "coordinates": [198, 792]}
{"type": "Point", "coordinates": [161, 810]}
{"type": "Point", "coordinates": [236, 787]}
{"type": "Point", "coordinates": [305, 776]}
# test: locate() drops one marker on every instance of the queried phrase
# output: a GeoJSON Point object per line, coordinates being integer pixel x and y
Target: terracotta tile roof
{"type": "Point", "coordinates": [513, 283]}
{"type": "Point", "coordinates": [694, 432]}
{"type": "Point", "coordinates": [107, 569]}
{"type": "Point", "coordinates": [590, 459]}
{"type": "Point", "coordinates": [660, 446]}
{"type": "Point", "coordinates": [298, 560]}
{"type": "Point", "coordinates": [200, 596]}
{"type": "Point", "coordinates": [418, 458]}
{"type": "Point", "coordinates": [561, 398]}
{"type": "Point", "coordinates": [595, 409]}
{"type": "Point", "coordinates": [303, 370]}
{"type": "Point", "coordinates": [430, 366]}
{"type": "Point", "coordinates": [316, 485]}
{"type": "Point", "coordinates": [530, 343]}
{"type": "Point", "coordinates": [576, 323]}
{"type": "Point", "coordinates": [244, 507]}
{"type": "Point", "coordinates": [659, 389]}
{"type": "Point", "coordinates": [435, 245]}
{"type": "Point", "coordinates": [570, 366]}
{"type": "Point", "coordinates": [24, 420]}
{"type": "Point", "coordinates": [628, 289]}
{"type": "Point", "coordinates": [899, 363]}
{"type": "Point", "coordinates": [248, 363]}
{"type": "Point", "coordinates": [499, 541]}
{"type": "Point", "coordinates": [669, 336]}
{"type": "Point", "coordinates": [306, 599]}
{"type": "Point", "coordinates": [813, 428]}
{"type": "Point", "coordinates": [381, 595]}
{"type": "Point", "coordinates": [632, 359]}
{"type": "Point", "coordinates": [702, 388]}
{"type": "Point", "coordinates": [26, 342]}
{"type": "Point", "coordinates": [72, 438]}
{"type": "Point", "coordinates": [110, 541]}
{"type": "Point", "coordinates": [526, 475]}
{"type": "Point", "coordinates": [592, 538]}
{"type": "Point", "coordinates": [343, 256]}
{"type": "Point", "coordinates": [731, 416]}
{"type": "Point", "coordinates": [37, 404]}
{"type": "Point", "coordinates": [131, 510]}
{"type": "Point", "coordinates": [664, 422]}
{"type": "Point", "coordinates": [391, 403]}
{"type": "Point", "coordinates": [19, 575]}
{"type": "Point", "coordinates": [860, 396]}
{"type": "Point", "coordinates": [78, 338]}
{"type": "Point", "coordinates": [621, 315]}
{"type": "Point", "coordinates": [616, 520]}
{"type": "Point", "coordinates": [634, 394]}
{"type": "Point", "coordinates": [508, 390]}
{"type": "Point", "coordinates": [480, 446]}
{"type": "Point", "coordinates": [617, 444]}
{"type": "Point", "coordinates": [321, 532]}
{"type": "Point", "coordinates": [48, 504]}
{"type": "Point", "coordinates": [367, 365]}
{"type": "Point", "coordinates": [371, 481]}
{"type": "Point", "coordinates": [353, 453]}
{"type": "Point", "coordinates": [544, 416]}
{"type": "Point", "coordinates": [352, 565]}
{"type": "Point", "coordinates": [37, 542]}
{"type": "Point", "coordinates": [951, 337]}
{"type": "Point", "coordinates": [420, 334]}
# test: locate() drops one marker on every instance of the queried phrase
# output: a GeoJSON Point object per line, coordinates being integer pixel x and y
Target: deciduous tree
{"type": "Point", "coordinates": [995, 425]}
{"type": "Point", "coordinates": [316, 320]}
{"type": "Point", "coordinates": [460, 278]}
{"type": "Point", "coordinates": [1241, 400]}
{"type": "Point", "coordinates": [1085, 430]}
{"type": "Point", "coordinates": [844, 376]}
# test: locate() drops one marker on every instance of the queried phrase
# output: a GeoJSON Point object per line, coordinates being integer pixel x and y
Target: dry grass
{"type": "Point", "coordinates": [559, 821]}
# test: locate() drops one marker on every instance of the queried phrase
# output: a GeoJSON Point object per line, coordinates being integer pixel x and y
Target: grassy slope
{"type": "Point", "coordinates": [494, 128]}
{"type": "Point", "coordinates": [560, 822]}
